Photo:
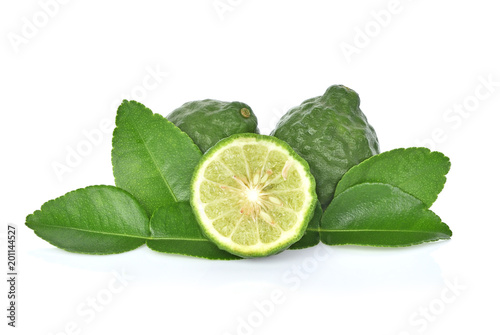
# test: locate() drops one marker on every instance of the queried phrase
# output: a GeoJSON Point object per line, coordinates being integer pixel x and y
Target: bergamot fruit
{"type": "Point", "coordinates": [252, 195]}
{"type": "Point", "coordinates": [332, 134]}
{"type": "Point", "coordinates": [208, 121]}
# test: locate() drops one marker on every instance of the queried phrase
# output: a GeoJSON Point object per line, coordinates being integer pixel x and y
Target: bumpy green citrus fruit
{"type": "Point", "coordinates": [332, 134]}
{"type": "Point", "coordinates": [208, 121]}
{"type": "Point", "coordinates": [252, 195]}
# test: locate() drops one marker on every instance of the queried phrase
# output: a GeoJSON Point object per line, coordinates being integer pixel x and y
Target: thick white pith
{"type": "Point", "coordinates": [253, 199]}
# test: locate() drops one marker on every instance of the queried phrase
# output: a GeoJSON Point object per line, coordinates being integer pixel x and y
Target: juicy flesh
{"type": "Point", "coordinates": [252, 194]}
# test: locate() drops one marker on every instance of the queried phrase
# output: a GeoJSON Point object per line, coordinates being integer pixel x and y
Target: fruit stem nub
{"type": "Point", "coordinates": [245, 112]}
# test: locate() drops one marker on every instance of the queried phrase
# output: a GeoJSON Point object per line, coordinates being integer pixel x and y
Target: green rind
{"type": "Point", "coordinates": [382, 215]}
{"type": "Point", "coordinates": [416, 171]}
{"type": "Point", "coordinates": [331, 133]}
{"type": "Point", "coordinates": [96, 220]}
{"type": "Point", "coordinates": [309, 213]}
{"type": "Point", "coordinates": [311, 235]}
{"type": "Point", "coordinates": [209, 121]}
{"type": "Point", "coordinates": [174, 230]}
{"type": "Point", "coordinates": [152, 158]}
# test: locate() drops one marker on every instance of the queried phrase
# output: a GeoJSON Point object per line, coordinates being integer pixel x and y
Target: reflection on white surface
{"type": "Point", "coordinates": [341, 268]}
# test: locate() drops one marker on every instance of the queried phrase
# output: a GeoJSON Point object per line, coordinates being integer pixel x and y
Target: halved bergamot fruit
{"type": "Point", "coordinates": [253, 196]}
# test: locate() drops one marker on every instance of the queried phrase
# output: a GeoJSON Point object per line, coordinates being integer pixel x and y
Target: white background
{"type": "Point", "coordinates": [65, 78]}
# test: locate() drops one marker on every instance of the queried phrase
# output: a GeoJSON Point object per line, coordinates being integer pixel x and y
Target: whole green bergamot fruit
{"type": "Point", "coordinates": [332, 134]}
{"type": "Point", "coordinates": [209, 121]}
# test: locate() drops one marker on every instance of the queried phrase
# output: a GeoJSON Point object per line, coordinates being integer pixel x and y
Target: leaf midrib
{"type": "Point", "coordinates": [36, 227]}
{"type": "Point", "coordinates": [154, 161]}
{"type": "Point", "coordinates": [177, 239]}
{"type": "Point", "coordinates": [377, 230]}
{"type": "Point", "coordinates": [149, 238]}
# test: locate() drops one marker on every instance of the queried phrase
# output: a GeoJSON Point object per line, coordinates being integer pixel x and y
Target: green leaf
{"type": "Point", "coordinates": [311, 236]}
{"type": "Point", "coordinates": [416, 171]}
{"type": "Point", "coordinates": [94, 220]}
{"type": "Point", "coordinates": [152, 158]}
{"type": "Point", "coordinates": [174, 230]}
{"type": "Point", "coordinates": [380, 215]}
